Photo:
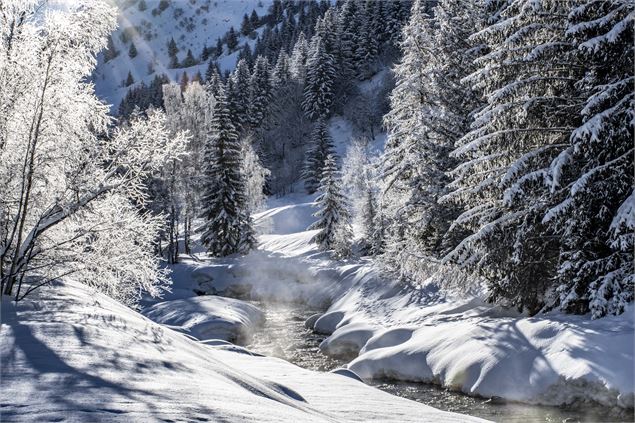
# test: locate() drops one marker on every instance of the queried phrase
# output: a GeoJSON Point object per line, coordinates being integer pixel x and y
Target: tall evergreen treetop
{"type": "Point", "coordinates": [224, 203]}
{"type": "Point", "coordinates": [320, 81]}
{"type": "Point", "coordinates": [315, 158]}
{"type": "Point", "coordinates": [333, 208]}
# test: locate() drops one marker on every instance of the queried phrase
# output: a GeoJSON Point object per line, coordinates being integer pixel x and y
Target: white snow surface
{"type": "Point", "coordinates": [71, 354]}
{"type": "Point", "coordinates": [418, 333]}
{"type": "Point", "coordinates": [208, 317]}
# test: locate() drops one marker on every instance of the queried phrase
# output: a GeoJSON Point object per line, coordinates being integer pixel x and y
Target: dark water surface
{"type": "Point", "coordinates": [284, 336]}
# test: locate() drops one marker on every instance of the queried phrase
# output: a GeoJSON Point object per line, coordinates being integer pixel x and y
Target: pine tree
{"type": "Point", "coordinates": [238, 92]}
{"type": "Point", "coordinates": [315, 157]}
{"type": "Point", "coordinates": [254, 19]}
{"type": "Point", "coordinates": [592, 177]}
{"type": "Point", "coordinates": [142, 5]}
{"type": "Point", "coordinates": [232, 39]}
{"type": "Point", "coordinates": [299, 57]}
{"type": "Point", "coordinates": [189, 60]}
{"type": "Point", "coordinates": [528, 78]}
{"type": "Point", "coordinates": [333, 215]}
{"type": "Point", "coordinates": [110, 52]}
{"type": "Point", "coordinates": [129, 80]}
{"type": "Point", "coordinates": [245, 26]}
{"type": "Point", "coordinates": [320, 79]}
{"type": "Point", "coordinates": [219, 48]}
{"type": "Point", "coordinates": [259, 92]}
{"type": "Point", "coordinates": [281, 73]}
{"type": "Point", "coordinates": [132, 52]}
{"type": "Point", "coordinates": [226, 226]}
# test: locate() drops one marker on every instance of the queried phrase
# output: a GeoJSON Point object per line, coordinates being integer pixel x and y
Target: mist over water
{"type": "Point", "coordinates": [284, 336]}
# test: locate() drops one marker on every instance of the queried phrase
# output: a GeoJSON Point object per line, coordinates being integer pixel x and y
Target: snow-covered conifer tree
{"type": "Point", "coordinates": [320, 80]}
{"type": "Point", "coordinates": [259, 92]}
{"type": "Point", "coordinates": [238, 93]}
{"type": "Point", "coordinates": [315, 159]}
{"type": "Point", "coordinates": [593, 176]}
{"type": "Point", "coordinates": [281, 73]}
{"type": "Point", "coordinates": [224, 213]}
{"type": "Point", "coordinates": [528, 78]}
{"type": "Point", "coordinates": [415, 159]}
{"type": "Point", "coordinates": [299, 57]}
{"type": "Point", "coordinates": [333, 216]}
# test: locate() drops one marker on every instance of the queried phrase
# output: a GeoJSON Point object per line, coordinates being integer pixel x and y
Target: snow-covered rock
{"type": "Point", "coordinates": [310, 322]}
{"type": "Point", "coordinates": [68, 353]}
{"type": "Point", "coordinates": [347, 340]}
{"type": "Point", "coordinates": [209, 317]}
{"type": "Point", "coordinates": [328, 322]}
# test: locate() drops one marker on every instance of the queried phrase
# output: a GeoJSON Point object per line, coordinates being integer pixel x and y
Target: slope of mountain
{"type": "Point", "coordinates": [193, 24]}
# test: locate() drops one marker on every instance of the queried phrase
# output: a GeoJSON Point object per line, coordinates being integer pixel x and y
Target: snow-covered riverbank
{"type": "Point", "coordinates": [418, 334]}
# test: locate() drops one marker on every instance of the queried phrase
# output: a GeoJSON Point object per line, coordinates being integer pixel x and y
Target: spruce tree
{"type": "Point", "coordinates": [189, 60]}
{"type": "Point", "coordinates": [254, 19]}
{"type": "Point", "coordinates": [226, 225]}
{"type": "Point", "coordinates": [132, 52]}
{"type": "Point", "coordinates": [320, 80]}
{"type": "Point", "coordinates": [110, 52]}
{"type": "Point", "coordinates": [259, 92]}
{"type": "Point", "coordinates": [299, 57]}
{"type": "Point", "coordinates": [346, 38]}
{"type": "Point", "coordinates": [333, 216]}
{"type": "Point", "coordinates": [592, 177]}
{"type": "Point", "coordinates": [232, 39]}
{"type": "Point", "coordinates": [212, 70]}
{"type": "Point", "coordinates": [129, 80]}
{"type": "Point", "coordinates": [315, 157]}
{"type": "Point", "coordinates": [238, 92]}
{"type": "Point", "coordinates": [219, 47]}
{"type": "Point", "coordinates": [281, 73]}
{"type": "Point", "coordinates": [205, 53]}
{"type": "Point", "coordinates": [528, 78]}
{"type": "Point", "coordinates": [172, 48]}
{"type": "Point", "coordinates": [245, 26]}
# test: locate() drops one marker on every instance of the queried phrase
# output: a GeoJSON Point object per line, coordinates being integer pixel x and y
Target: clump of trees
{"type": "Point", "coordinates": [510, 152]}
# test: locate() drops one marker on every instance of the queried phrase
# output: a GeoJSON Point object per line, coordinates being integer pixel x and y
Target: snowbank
{"type": "Point", "coordinates": [415, 335]}
{"type": "Point", "coordinates": [208, 317]}
{"type": "Point", "coordinates": [71, 354]}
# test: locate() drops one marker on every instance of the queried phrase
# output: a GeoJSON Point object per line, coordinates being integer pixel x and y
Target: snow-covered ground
{"type": "Point", "coordinates": [71, 354]}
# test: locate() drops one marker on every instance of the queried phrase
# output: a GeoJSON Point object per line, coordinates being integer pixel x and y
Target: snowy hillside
{"type": "Point", "coordinates": [193, 24]}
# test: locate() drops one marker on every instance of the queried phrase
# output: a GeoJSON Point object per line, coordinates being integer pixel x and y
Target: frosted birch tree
{"type": "Point", "coordinates": [70, 189]}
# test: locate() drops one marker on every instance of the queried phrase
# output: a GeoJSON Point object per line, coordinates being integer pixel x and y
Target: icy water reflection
{"type": "Point", "coordinates": [284, 336]}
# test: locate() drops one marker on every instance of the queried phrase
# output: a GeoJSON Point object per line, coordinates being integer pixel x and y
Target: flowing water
{"type": "Point", "coordinates": [284, 336]}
